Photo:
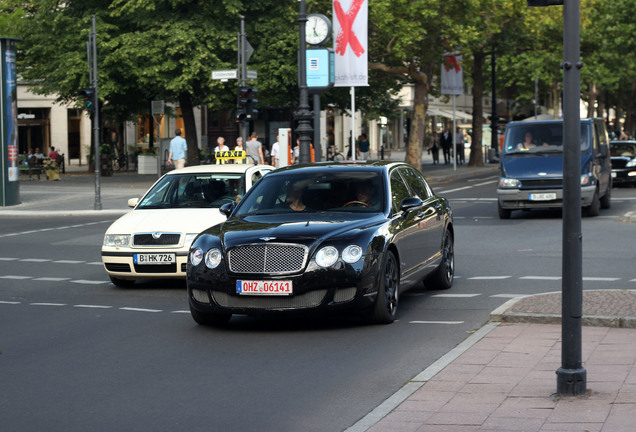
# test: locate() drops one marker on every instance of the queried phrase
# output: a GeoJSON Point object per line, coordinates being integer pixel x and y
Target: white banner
{"type": "Point", "coordinates": [452, 76]}
{"type": "Point", "coordinates": [350, 27]}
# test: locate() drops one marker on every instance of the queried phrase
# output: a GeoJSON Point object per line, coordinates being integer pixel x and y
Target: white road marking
{"type": "Point", "coordinates": [181, 312]}
{"type": "Point", "coordinates": [68, 262]}
{"type": "Point", "coordinates": [9, 302]}
{"type": "Point", "coordinates": [54, 228]}
{"type": "Point", "coordinates": [8, 259]}
{"type": "Point", "coordinates": [89, 282]}
{"type": "Point", "coordinates": [140, 309]}
{"type": "Point", "coordinates": [436, 322]}
{"type": "Point", "coordinates": [47, 304]}
{"type": "Point", "coordinates": [540, 277]}
{"type": "Point", "coordinates": [600, 279]}
{"type": "Point", "coordinates": [36, 260]}
{"type": "Point", "coordinates": [489, 277]}
{"type": "Point", "coordinates": [15, 277]}
{"type": "Point", "coordinates": [51, 279]}
{"type": "Point", "coordinates": [95, 263]}
{"type": "Point", "coordinates": [93, 306]}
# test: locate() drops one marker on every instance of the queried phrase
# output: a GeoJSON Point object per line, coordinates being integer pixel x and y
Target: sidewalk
{"type": "Point", "coordinates": [503, 377]}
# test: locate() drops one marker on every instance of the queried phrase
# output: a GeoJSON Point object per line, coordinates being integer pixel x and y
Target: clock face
{"type": "Point", "coordinates": [317, 29]}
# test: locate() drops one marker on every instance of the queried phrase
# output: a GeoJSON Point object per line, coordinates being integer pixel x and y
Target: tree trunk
{"type": "Point", "coordinates": [418, 119]}
{"type": "Point", "coordinates": [592, 94]}
{"type": "Point", "coordinates": [476, 156]}
{"type": "Point", "coordinates": [187, 112]}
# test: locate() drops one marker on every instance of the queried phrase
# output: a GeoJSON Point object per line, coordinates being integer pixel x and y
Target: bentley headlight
{"type": "Point", "coordinates": [327, 256]}
{"type": "Point", "coordinates": [212, 258]}
{"type": "Point", "coordinates": [505, 182]}
{"type": "Point", "coordinates": [631, 163]}
{"type": "Point", "coordinates": [196, 256]}
{"type": "Point", "coordinates": [352, 254]}
{"type": "Point", "coordinates": [117, 240]}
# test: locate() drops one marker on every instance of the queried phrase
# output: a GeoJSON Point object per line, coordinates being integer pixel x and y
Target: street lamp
{"type": "Point", "coordinates": [303, 114]}
{"type": "Point", "coordinates": [571, 376]}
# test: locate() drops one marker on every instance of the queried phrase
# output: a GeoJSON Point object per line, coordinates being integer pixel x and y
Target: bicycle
{"type": "Point", "coordinates": [334, 155]}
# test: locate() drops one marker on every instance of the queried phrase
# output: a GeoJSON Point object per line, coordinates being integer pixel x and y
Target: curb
{"type": "Point", "coordinates": [500, 315]}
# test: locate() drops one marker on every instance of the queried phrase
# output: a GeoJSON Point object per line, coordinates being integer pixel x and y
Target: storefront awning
{"type": "Point", "coordinates": [449, 114]}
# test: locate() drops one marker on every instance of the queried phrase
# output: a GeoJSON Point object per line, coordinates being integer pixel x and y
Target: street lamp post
{"type": "Point", "coordinates": [571, 376]}
{"type": "Point", "coordinates": [303, 114]}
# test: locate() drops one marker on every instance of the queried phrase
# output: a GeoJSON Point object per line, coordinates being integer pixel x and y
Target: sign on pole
{"type": "Point", "coordinates": [224, 74]}
{"type": "Point", "coordinates": [350, 44]}
{"type": "Point", "coordinates": [452, 76]}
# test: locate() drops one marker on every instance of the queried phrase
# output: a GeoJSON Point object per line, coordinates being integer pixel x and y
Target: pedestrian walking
{"type": "Point", "coordinates": [459, 146]}
{"type": "Point", "coordinates": [446, 142]}
{"type": "Point", "coordinates": [220, 141]}
{"type": "Point", "coordinates": [275, 158]}
{"type": "Point", "coordinates": [363, 147]}
{"type": "Point", "coordinates": [434, 148]}
{"type": "Point", "coordinates": [178, 150]}
{"type": "Point", "coordinates": [255, 149]}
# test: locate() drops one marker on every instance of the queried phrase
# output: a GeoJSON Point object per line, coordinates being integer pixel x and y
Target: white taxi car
{"type": "Point", "coordinates": [152, 241]}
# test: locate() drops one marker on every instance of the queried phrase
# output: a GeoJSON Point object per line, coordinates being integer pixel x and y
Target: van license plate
{"type": "Point", "coordinates": [542, 196]}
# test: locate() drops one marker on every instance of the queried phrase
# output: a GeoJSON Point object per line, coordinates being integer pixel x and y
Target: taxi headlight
{"type": "Point", "coordinates": [352, 254]}
{"type": "Point", "coordinates": [196, 256]}
{"type": "Point", "coordinates": [505, 182]}
{"type": "Point", "coordinates": [587, 179]}
{"type": "Point", "coordinates": [213, 258]}
{"type": "Point", "coordinates": [327, 256]}
{"type": "Point", "coordinates": [117, 240]}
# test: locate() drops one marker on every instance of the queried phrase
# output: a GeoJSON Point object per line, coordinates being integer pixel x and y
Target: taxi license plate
{"type": "Point", "coordinates": [154, 258]}
{"type": "Point", "coordinates": [542, 196]}
{"type": "Point", "coordinates": [246, 287]}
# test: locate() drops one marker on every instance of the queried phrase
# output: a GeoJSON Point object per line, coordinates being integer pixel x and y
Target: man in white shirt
{"type": "Point", "coordinates": [275, 153]}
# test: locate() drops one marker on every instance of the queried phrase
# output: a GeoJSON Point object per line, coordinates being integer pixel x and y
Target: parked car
{"type": "Point", "coordinates": [531, 167]}
{"type": "Point", "coordinates": [323, 237]}
{"type": "Point", "coordinates": [623, 154]}
{"type": "Point", "coordinates": [152, 241]}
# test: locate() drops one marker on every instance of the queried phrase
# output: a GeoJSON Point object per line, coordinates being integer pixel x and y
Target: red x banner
{"type": "Point", "coordinates": [350, 43]}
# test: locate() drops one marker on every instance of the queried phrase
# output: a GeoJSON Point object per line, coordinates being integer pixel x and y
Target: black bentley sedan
{"type": "Point", "coordinates": [321, 237]}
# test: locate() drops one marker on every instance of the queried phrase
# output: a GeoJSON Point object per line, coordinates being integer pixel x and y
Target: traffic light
{"type": "Point", "coordinates": [245, 106]}
{"type": "Point", "coordinates": [89, 100]}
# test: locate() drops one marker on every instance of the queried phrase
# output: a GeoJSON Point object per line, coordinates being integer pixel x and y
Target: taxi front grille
{"type": "Point", "coordinates": [271, 258]}
{"type": "Point", "coordinates": [156, 268]}
{"type": "Point", "coordinates": [156, 239]}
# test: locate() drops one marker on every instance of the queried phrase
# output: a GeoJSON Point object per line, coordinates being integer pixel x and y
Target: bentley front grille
{"type": "Point", "coordinates": [310, 299]}
{"type": "Point", "coordinates": [156, 239]}
{"type": "Point", "coordinates": [267, 258]}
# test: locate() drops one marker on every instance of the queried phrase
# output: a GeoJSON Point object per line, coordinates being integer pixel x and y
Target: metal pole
{"type": "Point", "coordinates": [243, 77]}
{"type": "Point", "coordinates": [495, 116]}
{"type": "Point", "coordinates": [571, 376]}
{"type": "Point", "coordinates": [317, 145]}
{"type": "Point", "coordinates": [98, 202]}
{"type": "Point", "coordinates": [303, 114]}
{"type": "Point", "coordinates": [353, 123]}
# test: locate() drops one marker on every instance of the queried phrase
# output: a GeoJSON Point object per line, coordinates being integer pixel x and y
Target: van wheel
{"type": "Point", "coordinates": [606, 201]}
{"type": "Point", "coordinates": [503, 213]}
{"type": "Point", "coordinates": [594, 209]}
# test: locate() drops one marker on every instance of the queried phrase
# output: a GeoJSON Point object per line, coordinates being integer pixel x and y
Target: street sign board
{"type": "Point", "coordinates": [157, 107]}
{"type": "Point", "coordinates": [224, 74]}
{"type": "Point", "coordinates": [251, 74]}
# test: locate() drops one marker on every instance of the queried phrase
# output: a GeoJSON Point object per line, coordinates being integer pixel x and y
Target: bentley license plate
{"type": "Point", "coordinates": [154, 258]}
{"type": "Point", "coordinates": [542, 196]}
{"type": "Point", "coordinates": [246, 287]}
